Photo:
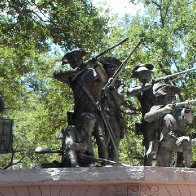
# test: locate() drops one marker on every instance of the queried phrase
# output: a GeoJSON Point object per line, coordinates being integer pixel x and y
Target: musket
{"type": "Point", "coordinates": [100, 160]}
{"type": "Point", "coordinates": [184, 103]}
{"type": "Point", "coordinates": [173, 75]}
{"type": "Point", "coordinates": [40, 150]}
{"type": "Point", "coordinates": [147, 86]}
{"type": "Point", "coordinates": [111, 79]}
{"type": "Point", "coordinates": [96, 58]}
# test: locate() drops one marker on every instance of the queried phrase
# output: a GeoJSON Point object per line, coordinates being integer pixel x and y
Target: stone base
{"type": "Point", "coordinates": [101, 181]}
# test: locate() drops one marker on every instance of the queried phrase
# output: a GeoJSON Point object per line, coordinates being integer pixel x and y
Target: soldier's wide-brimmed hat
{"type": "Point", "coordinates": [141, 67]}
{"type": "Point", "coordinates": [165, 89]}
{"type": "Point", "coordinates": [110, 61]}
{"type": "Point", "coordinates": [76, 53]}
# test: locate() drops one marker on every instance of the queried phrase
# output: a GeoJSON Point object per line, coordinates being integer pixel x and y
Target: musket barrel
{"type": "Point", "coordinates": [100, 160]}
{"type": "Point", "coordinates": [173, 75]}
{"type": "Point", "coordinates": [122, 65]}
{"type": "Point", "coordinates": [185, 103]}
{"type": "Point", "coordinates": [105, 51]}
{"type": "Point", "coordinates": [125, 61]}
{"type": "Point", "coordinates": [94, 59]}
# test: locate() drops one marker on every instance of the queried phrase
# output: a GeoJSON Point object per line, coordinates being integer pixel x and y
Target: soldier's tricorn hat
{"type": "Point", "coordinates": [165, 89]}
{"type": "Point", "coordinates": [141, 67]}
{"type": "Point", "coordinates": [110, 61]}
{"type": "Point", "coordinates": [76, 53]}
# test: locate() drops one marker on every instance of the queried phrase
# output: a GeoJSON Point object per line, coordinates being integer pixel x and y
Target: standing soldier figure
{"type": "Point", "coordinates": [86, 84]}
{"type": "Point", "coordinates": [111, 102]}
{"type": "Point", "coordinates": [144, 94]}
{"type": "Point", "coordinates": [173, 135]}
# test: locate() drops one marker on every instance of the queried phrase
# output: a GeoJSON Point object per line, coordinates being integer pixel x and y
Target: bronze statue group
{"type": "Point", "coordinates": [98, 116]}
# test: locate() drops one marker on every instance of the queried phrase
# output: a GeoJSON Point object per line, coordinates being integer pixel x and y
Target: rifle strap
{"type": "Point", "coordinates": [77, 75]}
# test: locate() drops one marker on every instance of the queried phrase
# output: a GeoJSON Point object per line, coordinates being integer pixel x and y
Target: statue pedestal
{"type": "Point", "coordinates": [99, 181]}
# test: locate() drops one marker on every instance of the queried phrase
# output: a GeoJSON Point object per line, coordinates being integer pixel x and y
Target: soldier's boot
{"type": "Point", "coordinates": [187, 154]}
{"type": "Point", "coordinates": [71, 152]}
{"type": "Point", "coordinates": [102, 148]}
{"type": "Point", "coordinates": [73, 158]}
{"type": "Point", "coordinates": [163, 156]}
{"type": "Point", "coordinates": [148, 160]}
{"type": "Point", "coordinates": [113, 155]}
{"type": "Point", "coordinates": [148, 155]}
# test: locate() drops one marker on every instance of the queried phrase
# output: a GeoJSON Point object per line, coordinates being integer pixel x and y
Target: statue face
{"type": "Point", "coordinates": [110, 70]}
{"type": "Point", "coordinates": [144, 76]}
{"type": "Point", "coordinates": [75, 62]}
{"type": "Point", "coordinates": [161, 100]}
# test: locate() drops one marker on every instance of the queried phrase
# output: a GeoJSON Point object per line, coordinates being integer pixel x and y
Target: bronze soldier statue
{"type": "Point", "coordinates": [86, 84]}
{"type": "Point", "coordinates": [111, 102]}
{"type": "Point", "coordinates": [173, 118]}
{"type": "Point", "coordinates": [145, 95]}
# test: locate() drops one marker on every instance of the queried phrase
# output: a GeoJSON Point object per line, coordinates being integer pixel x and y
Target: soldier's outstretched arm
{"type": "Point", "coordinates": [157, 112]}
{"type": "Point", "coordinates": [138, 90]}
{"type": "Point", "coordinates": [64, 76]}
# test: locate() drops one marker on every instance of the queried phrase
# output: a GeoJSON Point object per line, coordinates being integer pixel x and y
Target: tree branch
{"type": "Point", "coordinates": [160, 11]}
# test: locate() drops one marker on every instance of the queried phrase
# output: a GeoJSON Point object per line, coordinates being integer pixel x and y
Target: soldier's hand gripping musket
{"type": "Point", "coordinates": [184, 104]}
